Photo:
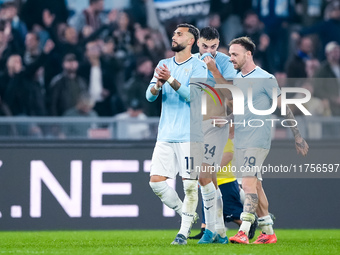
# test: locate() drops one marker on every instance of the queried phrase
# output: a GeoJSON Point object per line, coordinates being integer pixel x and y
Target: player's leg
{"type": "Point", "coordinates": [246, 164]}
{"type": "Point", "coordinates": [214, 141]}
{"type": "Point", "coordinates": [162, 167]}
{"type": "Point", "coordinates": [208, 191]}
{"type": "Point", "coordinates": [200, 234]}
{"type": "Point", "coordinates": [265, 220]}
{"type": "Point", "coordinates": [189, 159]}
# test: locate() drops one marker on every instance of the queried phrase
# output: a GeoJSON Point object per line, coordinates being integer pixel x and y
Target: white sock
{"type": "Point", "coordinates": [220, 227]}
{"type": "Point", "coordinates": [247, 220]}
{"type": "Point", "coordinates": [167, 195]}
{"type": "Point", "coordinates": [266, 224]}
{"type": "Point", "coordinates": [189, 206]}
{"type": "Point", "coordinates": [245, 226]}
{"type": "Point", "coordinates": [209, 204]}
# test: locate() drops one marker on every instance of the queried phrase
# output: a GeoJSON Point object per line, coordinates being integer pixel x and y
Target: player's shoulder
{"type": "Point", "coordinates": [166, 61]}
{"type": "Point", "coordinates": [260, 73]}
{"type": "Point", "coordinates": [198, 62]}
{"type": "Point", "coordinates": [196, 55]}
{"type": "Point", "coordinates": [221, 56]}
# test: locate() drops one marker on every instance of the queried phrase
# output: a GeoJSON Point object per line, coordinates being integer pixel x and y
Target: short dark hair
{"type": "Point", "coordinates": [192, 30]}
{"type": "Point", "coordinates": [246, 42]}
{"type": "Point", "coordinates": [209, 33]}
{"type": "Point", "coordinates": [94, 1]}
{"type": "Point", "coordinates": [70, 57]}
{"type": "Point", "coordinates": [36, 35]}
{"type": "Point", "coordinates": [8, 5]}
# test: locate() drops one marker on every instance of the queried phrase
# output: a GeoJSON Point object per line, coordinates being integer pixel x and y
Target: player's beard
{"type": "Point", "coordinates": [239, 64]}
{"type": "Point", "coordinates": [177, 48]}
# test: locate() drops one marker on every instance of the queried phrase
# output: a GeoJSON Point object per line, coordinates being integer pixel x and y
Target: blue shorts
{"type": "Point", "coordinates": [232, 206]}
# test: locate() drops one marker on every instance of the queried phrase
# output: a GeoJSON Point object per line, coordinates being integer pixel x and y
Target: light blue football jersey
{"type": "Point", "coordinates": [262, 84]}
{"type": "Point", "coordinates": [181, 117]}
{"type": "Point", "coordinates": [223, 64]}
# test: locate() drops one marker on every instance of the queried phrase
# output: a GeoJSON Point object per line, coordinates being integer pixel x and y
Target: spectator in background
{"type": "Point", "coordinates": [153, 50]}
{"type": "Point", "coordinates": [32, 11]}
{"type": "Point", "coordinates": [83, 108]}
{"type": "Point", "coordinates": [296, 67]}
{"type": "Point", "coordinates": [100, 79]}
{"type": "Point", "coordinates": [32, 49]}
{"type": "Point", "coordinates": [276, 16]}
{"type": "Point", "coordinates": [329, 88]}
{"type": "Point", "coordinates": [128, 127]}
{"type": "Point", "coordinates": [138, 11]}
{"type": "Point", "coordinates": [6, 48]}
{"type": "Point", "coordinates": [135, 87]}
{"type": "Point", "coordinates": [66, 87]}
{"type": "Point", "coordinates": [68, 43]}
{"type": "Point", "coordinates": [316, 106]}
{"type": "Point", "coordinates": [9, 12]}
{"type": "Point", "coordinates": [312, 65]}
{"type": "Point", "coordinates": [20, 92]}
{"type": "Point", "coordinates": [92, 16]}
{"type": "Point", "coordinates": [254, 28]}
{"type": "Point", "coordinates": [327, 30]}
{"type": "Point", "coordinates": [124, 38]}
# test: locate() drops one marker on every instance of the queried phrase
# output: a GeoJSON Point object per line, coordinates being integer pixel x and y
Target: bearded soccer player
{"type": "Point", "coordinates": [252, 144]}
{"type": "Point", "coordinates": [179, 147]}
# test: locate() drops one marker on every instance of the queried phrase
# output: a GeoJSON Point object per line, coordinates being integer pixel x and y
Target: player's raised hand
{"type": "Point", "coordinates": [162, 73]}
{"type": "Point", "coordinates": [301, 146]}
{"type": "Point", "coordinates": [211, 63]}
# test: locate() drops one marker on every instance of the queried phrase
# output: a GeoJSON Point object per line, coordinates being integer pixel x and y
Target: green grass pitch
{"type": "Point", "coordinates": [158, 242]}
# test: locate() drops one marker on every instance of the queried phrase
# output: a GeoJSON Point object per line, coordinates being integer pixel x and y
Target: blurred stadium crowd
{"type": "Point", "coordinates": [98, 62]}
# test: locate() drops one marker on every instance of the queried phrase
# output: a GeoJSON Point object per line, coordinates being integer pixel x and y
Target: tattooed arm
{"type": "Point", "coordinates": [300, 143]}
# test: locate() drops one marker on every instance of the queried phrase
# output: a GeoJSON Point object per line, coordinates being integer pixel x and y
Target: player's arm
{"type": "Point", "coordinates": [300, 143]}
{"type": "Point", "coordinates": [163, 74]}
{"type": "Point", "coordinates": [154, 88]}
{"type": "Point", "coordinates": [219, 79]}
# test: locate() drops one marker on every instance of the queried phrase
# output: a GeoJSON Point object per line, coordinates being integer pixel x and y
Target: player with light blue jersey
{"type": "Point", "coordinates": [215, 138]}
{"type": "Point", "coordinates": [262, 84]}
{"type": "Point", "coordinates": [179, 146]}
{"type": "Point", "coordinates": [252, 140]}
{"type": "Point", "coordinates": [176, 117]}
{"type": "Point", "coordinates": [222, 62]}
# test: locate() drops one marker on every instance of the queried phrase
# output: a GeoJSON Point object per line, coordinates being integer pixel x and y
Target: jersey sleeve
{"type": "Point", "coordinates": [271, 84]}
{"type": "Point", "coordinates": [149, 96]}
{"type": "Point", "coordinates": [200, 70]}
{"type": "Point", "coordinates": [229, 71]}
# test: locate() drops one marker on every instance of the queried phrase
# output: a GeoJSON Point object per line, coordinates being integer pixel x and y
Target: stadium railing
{"type": "Point", "coordinates": [111, 128]}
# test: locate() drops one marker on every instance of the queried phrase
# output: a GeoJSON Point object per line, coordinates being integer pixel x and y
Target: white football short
{"type": "Point", "coordinates": [169, 159]}
{"type": "Point", "coordinates": [248, 162]}
{"type": "Point", "coordinates": [215, 139]}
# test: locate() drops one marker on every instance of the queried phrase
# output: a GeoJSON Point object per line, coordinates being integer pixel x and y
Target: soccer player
{"type": "Point", "coordinates": [215, 138]}
{"type": "Point", "coordinates": [252, 144]}
{"type": "Point", "coordinates": [179, 147]}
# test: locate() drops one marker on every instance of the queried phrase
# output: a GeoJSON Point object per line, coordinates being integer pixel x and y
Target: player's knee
{"type": "Point", "coordinates": [246, 216]}
{"type": "Point", "coordinates": [158, 187]}
{"type": "Point", "coordinates": [249, 185]}
{"type": "Point", "coordinates": [259, 185]}
{"type": "Point", "coordinates": [204, 181]}
{"type": "Point", "coordinates": [190, 189]}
